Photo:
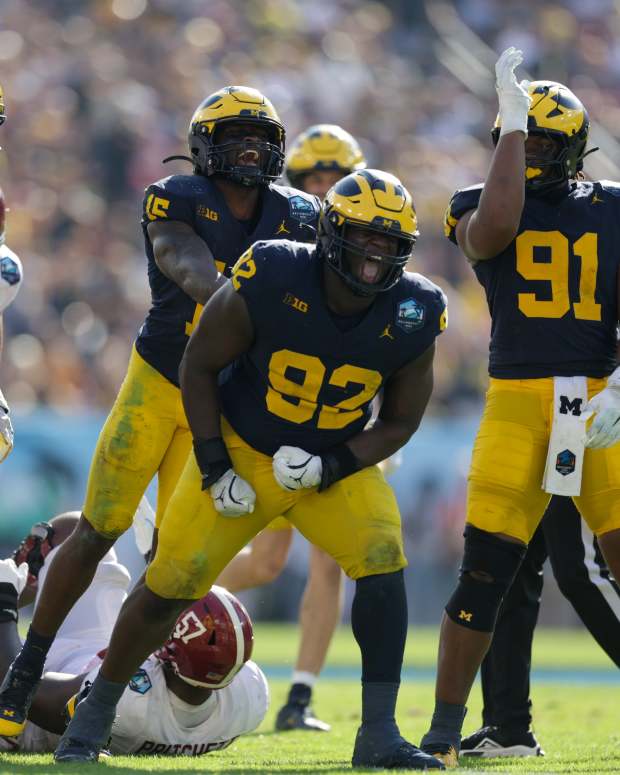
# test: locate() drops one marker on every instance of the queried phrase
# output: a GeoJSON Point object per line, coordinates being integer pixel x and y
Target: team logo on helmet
{"type": "Point", "coordinates": [236, 104]}
{"type": "Point", "coordinates": [555, 112]}
{"type": "Point", "coordinates": [323, 147]}
{"type": "Point", "coordinates": [373, 200]}
{"type": "Point", "coordinates": [211, 641]}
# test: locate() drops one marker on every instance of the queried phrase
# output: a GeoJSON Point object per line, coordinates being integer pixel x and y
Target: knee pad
{"type": "Point", "coordinates": [489, 567]}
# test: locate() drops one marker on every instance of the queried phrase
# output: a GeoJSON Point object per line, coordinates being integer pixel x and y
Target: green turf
{"type": "Point", "coordinates": [577, 725]}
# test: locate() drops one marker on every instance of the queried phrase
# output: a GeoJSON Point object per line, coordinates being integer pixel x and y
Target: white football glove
{"type": "Point", "coordinates": [232, 495]}
{"type": "Point", "coordinates": [12, 574]}
{"type": "Point", "coordinates": [6, 429]}
{"type": "Point", "coordinates": [294, 468]}
{"type": "Point", "coordinates": [514, 101]}
{"type": "Point", "coordinates": [605, 428]}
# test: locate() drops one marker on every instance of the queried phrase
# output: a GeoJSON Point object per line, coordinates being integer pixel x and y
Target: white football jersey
{"type": "Point", "coordinates": [148, 721]}
{"type": "Point", "coordinates": [11, 276]}
{"type": "Point", "coordinates": [148, 718]}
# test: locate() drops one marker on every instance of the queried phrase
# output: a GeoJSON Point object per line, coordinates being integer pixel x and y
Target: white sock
{"type": "Point", "coordinates": [304, 677]}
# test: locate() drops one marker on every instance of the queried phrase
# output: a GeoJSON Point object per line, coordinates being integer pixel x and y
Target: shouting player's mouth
{"type": "Point", "coordinates": [249, 157]}
{"type": "Point", "coordinates": [371, 270]}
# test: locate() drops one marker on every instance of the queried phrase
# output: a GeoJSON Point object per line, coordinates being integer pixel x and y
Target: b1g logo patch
{"type": "Point", "coordinates": [410, 315]}
{"type": "Point", "coordinates": [565, 462]}
{"type": "Point", "coordinates": [301, 209]}
{"type": "Point", "coordinates": [140, 682]}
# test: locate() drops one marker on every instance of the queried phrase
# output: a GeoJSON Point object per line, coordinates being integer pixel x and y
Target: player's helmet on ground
{"type": "Point", "coordinates": [323, 147]}
{"type": "Point", "coordinates": [239, 104]}
{"type": "Point", "coordinates": [374, 200]}
{"type": "Point", "coordinates": [555, 112]}
{"type": "Point", "coordinates": [2, 111]}
{"type": "Point", "coordinates": [211, 640]}
{"type": "Point", "coordinates": [2, 217]}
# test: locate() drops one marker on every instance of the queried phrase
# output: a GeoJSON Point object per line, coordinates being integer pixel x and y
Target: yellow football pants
{"type": "Point", "coordinates": [356, 521]}
{"type": "Point", "coordinates": [505, 492]}
{"type": "Point", "coordinates": [146, 433]}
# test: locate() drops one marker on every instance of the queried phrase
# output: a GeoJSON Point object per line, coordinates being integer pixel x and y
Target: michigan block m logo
{"type": "Point", "coordinates": [573, 407]}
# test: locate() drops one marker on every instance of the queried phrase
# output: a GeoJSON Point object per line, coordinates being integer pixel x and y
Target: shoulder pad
{"type": "Point", "coordinates": [182, 185]}
{"type": "Point", "coordinates": [463, 200]}
{"type": "Point", "coordinates": [303, 207]}
{"type": "Point", "coordinates": [431, 295]}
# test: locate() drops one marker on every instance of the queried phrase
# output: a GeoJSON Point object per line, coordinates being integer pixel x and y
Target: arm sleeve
{"type": "Point", "coordinates": [166, 201]}
{"type": "Point", "coordinates": [462, 202]}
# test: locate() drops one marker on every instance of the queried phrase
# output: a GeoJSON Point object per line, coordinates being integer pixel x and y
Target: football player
{"type": "Point", "coordinates": [195, 227]}
{"type": "Point", "coordinates": [318, 158]}
{"type": "Point", "coordinates": [11, 276]}
{"type": "Point", "coordinates": [546, 247]}
{"type": "Point", "coordinates": [301, 355]}
{"type": "Point", "coordinates": [584, 579]}
{"type": "Point", "coordinates": [196, 694]}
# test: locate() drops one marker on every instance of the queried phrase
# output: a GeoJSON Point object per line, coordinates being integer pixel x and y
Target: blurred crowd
{"type": "Point", "coordinates": [98, 92]}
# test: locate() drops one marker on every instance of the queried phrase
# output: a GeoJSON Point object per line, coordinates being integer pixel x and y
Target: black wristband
{"type": "Point", "coordinates": [8, 602]}
{"type": "Point", "coordinates": [212, 458]}
{"type": "Point", "coordinates": [338, 462]}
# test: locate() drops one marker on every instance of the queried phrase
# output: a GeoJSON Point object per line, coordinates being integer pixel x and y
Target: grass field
{"type": "Point", "coordinates": [575, 694]}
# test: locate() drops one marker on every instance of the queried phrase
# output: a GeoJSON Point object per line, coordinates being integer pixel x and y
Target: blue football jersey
{"type": "Point", "coordinates": [553, 293]}
{"type": "Point", "coordinates": [193, 199]}
{"type": "Point", "coordinates": [305, 381]}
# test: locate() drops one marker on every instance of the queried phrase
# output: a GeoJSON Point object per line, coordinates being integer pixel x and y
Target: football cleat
{"type": "Point", "coordinates": [16, 693]}
{"type": "Point", "coordinates": [293, 715]}
{"type": "Point", "coordinates": [444, 752]}
{"type": "Point", "coordinates": [405, 756]}
{"type": "Point", "coordinates": [491, 742]}
{"type": "Point", "coordinates": [70, 750]}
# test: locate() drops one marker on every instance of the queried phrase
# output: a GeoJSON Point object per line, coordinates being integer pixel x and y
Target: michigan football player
{"type": "Point", "coordinates": [284, 430]}
{"type": "Point", "coordinates": [318, 158]}
{"type": "Point", "coordinates": [545, 246]}
{"type": "Point", "coordinates": [195, 228]}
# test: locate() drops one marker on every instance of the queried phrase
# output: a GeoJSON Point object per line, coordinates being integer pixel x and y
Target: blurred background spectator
{"type": "Point", "coordinates": [98, 92]}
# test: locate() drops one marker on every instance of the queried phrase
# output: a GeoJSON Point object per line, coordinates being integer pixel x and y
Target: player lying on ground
{"type": "Point", "coordinates": [195, 228]}
{"type": "Point", "coordinates": [194, 695]}
{"type": "Point", "coordinates": [301, 353]}
{"type": "Point", "coordinates": [318, 158]}
{"type": "Point", "coordinates": [545, 245]}
{"type": "Point", "coordinates": [584, 579]}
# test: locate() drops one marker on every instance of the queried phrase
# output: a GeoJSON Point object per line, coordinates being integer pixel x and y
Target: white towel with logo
{"type": "Point", "coordinates": [568, 432]}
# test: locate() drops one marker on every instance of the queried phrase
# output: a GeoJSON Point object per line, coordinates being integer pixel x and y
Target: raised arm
{"type": "Point", "coordinates": [185, 259]}
{"type": "Point", "coordinates": [485, 232]}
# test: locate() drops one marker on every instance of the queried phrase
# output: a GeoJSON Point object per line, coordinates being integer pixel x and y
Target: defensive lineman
{"type": "Point", "coordinates": [545, 245]}
{"type": "Point", "coordinates": [195, 228]}
{"type": "Point", "coordinates": [302, 353]}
